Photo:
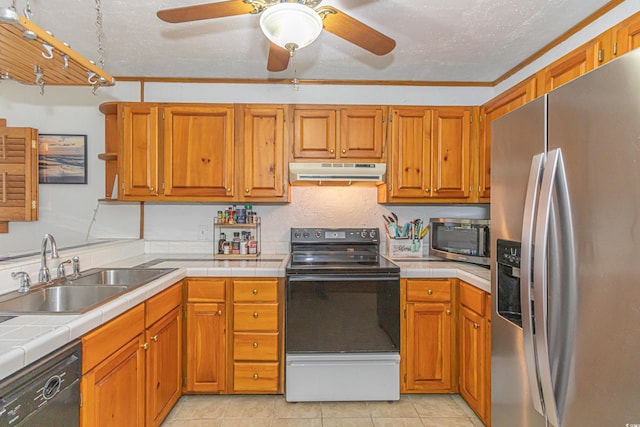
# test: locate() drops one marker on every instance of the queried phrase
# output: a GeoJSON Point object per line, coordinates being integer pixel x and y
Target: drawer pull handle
{"type": "Point", "coordinates": [154, 338]}
{"type": "Point", "coordinates": [255, 376]}
{"type": "Point", "coordinates": [255, 315]}
{"type": "Point", "coordinates": [430, 292]}
{"type": "Point", "coordinates": [255, 344]}
{"type": "Point", "coordinates": [476, 326]}
{"type": "Point", "coordinates": [255, 292]}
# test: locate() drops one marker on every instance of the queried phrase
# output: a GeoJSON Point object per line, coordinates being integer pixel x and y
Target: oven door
{"type": "Point", "coordinates": [327, 313]}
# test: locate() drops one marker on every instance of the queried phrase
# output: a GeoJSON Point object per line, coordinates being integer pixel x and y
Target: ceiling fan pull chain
{"type": "Point", "coordinates": [295, 83]}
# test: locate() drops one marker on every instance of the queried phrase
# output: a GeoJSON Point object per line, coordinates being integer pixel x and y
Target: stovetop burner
{"type": "Point", "coordinates": [332, 250]}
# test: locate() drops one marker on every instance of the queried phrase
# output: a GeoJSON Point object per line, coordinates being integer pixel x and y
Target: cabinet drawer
{"type": "Point", "coordinates": [159, 305]}
{"type": "Point", "coordinates": [472, 298]}
{"type": "Point", "coordinates": [208, 290]}
{"type": "Point", "coordinates": [255, 317]}
{"type": "Point", "coordinates": [428, 290]}
{"type": "Point", "coordinates": [255, 377]}
{"type": "Point", "coordinates": [255, 346]}
{"type": "Point", "coordinates": [255, 291]}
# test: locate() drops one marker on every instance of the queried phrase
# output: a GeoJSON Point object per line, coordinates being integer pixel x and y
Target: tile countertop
{"type": "Point", "coordinates": [25, 339]}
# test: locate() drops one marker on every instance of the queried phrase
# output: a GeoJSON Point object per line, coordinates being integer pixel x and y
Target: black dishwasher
{"type": "Point", "coordinates": [45, 393]}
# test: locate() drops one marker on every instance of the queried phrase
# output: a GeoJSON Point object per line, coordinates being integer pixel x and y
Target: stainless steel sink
{"type": "Point", "coordinates": [118, 276]}
{"type": "Point", "coordinates": [61, 299]}
{"type": "Point", "coordinates": [78, 295]}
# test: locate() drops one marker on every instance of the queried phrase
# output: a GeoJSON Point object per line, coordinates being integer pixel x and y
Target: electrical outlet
{"type": "Point", "coordinates": [203, 230]}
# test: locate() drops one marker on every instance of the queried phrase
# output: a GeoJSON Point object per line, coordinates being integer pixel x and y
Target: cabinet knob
{"type": "Point", "coordinates": [151, 188]}
{"type": "Point", "coordinates": [255, 344]}
{"type": "Point", "coordinates": [255, 376]}
{"type": "Point", "coordinates": [344, 151]}
{"type": "Point", "coordinates": [332, 151]}
{"type": "Point", "coordinates": [228, 189]}
{"type": "Point", "coordinates": [255, 292]}
{"type": "Point", "coordinates": [426, 190]}
{"type": "Point", "coordinates": [430, 292]}
{"type": "Point", "coordinates": [476, 326]}
{"type": "Point", "coordinates": [448, 312]}
{"type": "Point", "coordinates": [145, 346]}
{"type": "Point", "coordinates": [435, 190]}
{"type": "Point", "coordinates": [255, 315]}
{"type": "Point", "coordinates": [246, 190]}
{"type": "Point", "coordinates": [219, 313]}
{"type": "Point", "coordinates": [154, 338]}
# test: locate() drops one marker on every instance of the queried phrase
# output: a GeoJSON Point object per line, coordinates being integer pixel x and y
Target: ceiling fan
{"type": "Point", "coordinates": [289, 25]}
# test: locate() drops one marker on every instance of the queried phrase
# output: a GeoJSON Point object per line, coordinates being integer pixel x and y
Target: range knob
{"type": "Point", "coordinates": [305, 235]}
{"type": "Point", "coordinates": [363, 234]}
{"type": "Point", "coordinates": [372, 234]}
{"type": "Point", "coordinates": [318, 234]}
{"type": "Point", "coordinates": [296, 234]}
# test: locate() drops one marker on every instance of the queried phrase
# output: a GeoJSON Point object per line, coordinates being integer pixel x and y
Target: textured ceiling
{"type": "Point", "coordinates": [437, 40]}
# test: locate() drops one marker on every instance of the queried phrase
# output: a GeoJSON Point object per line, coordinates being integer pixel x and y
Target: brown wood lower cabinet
{"type": "Point", "coordinates": [256, 335]}
{"type": "Point", "coordinates": [428, 337]}
{"type": "Point", "coordinates": [205, 341]}
{"type": "Point", "coordinates": [131, 372]}
{"type": "Point", "coordinates": [473, 353]}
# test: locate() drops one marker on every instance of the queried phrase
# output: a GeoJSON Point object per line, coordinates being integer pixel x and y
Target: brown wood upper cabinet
{"type": "Point", "coordinates": [198, 151]}
{"type": "Point", "coordinates": [263, 135]}
{"type": "Point", "coordinates": [334, 133]}
{"type": "Point", "coordinates": [429, 156]}
{"type": "Point", "coordinates": [18, 174]}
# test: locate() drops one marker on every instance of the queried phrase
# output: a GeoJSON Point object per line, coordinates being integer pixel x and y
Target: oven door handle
{"type": "Point", "coordinates": [340, 277]}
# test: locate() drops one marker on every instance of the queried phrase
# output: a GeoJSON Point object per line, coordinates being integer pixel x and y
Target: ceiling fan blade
{"type": "Point", "coordinates": [205, 11]}
{"type": "Point", "coordinates": [354, 31]}
{"type": "Point", "coordinates": [278, 58]}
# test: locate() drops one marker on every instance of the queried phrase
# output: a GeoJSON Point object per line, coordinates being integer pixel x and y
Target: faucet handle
{"type": "Point", "coordinates": [61, 272]}
{"type": "Point", "coordinates": [76, 266]}
{"type": "Point", "coordinates": [25, 280]}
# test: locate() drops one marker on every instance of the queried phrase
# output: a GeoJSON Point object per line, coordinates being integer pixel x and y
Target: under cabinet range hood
{"type": "Point", "coordinates": [334, 172]}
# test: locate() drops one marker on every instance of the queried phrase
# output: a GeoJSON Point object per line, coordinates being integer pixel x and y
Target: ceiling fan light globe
{"type": "Point", "coordinates": [291, 23]}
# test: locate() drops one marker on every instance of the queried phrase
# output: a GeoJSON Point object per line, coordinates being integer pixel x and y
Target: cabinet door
{"type": "Point", "coordinates": [497, 107]}
{"type": "Point", "coordinates": [428, 355]}
{"type": "Point", "coordinates": [314, 134]}
{"type": "Point", "coordinates": [164, 366]}
{"type": "Point", "coordinates": [113, 392]}
{"type": "Point", "coordinates": [140, 145]}
{"type": "Point", "coordinates": [205, 347]}
{"type": "Point", "coordinates": [627, 35]}
{"type": "Point", "coordinates": [263, 169]}
{"type": "Point", "coordinates": [410, 153]}
{"type": "Point", "coordinates": [571, 66]}
{"type": "Point", "coordinates": [18, 174]}
{"type": "Point", "coordinates": [472, 353]}
{"type": "Point", "coordinates": [451, 153]}
{"type": "Point", "coordinates": [198, 151]}
{"type": "Point", "coordinates": [361, 133]}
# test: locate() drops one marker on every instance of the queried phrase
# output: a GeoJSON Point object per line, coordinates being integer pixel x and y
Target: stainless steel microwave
{"type": "Point", "coordinates": [460, 239]}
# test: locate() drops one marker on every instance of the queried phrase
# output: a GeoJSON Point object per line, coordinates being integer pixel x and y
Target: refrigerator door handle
{"type": "Point", "coordinates": [554, 178]}
{"type": "Point", "coordinates": [526, 260]}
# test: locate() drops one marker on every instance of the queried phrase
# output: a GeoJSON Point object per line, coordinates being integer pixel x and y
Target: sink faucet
{"type": "Point", "coordinates": [44, 275]}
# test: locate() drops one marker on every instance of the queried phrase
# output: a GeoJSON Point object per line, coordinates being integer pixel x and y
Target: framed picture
{"type": "Point", "coordinates": [62, 159]}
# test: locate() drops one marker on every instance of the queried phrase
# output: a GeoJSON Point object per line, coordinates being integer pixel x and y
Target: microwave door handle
{"type": "Point", "coordinates": [526, 259]}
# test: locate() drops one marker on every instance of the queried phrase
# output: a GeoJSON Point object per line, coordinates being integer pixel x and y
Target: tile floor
{"type": "Point", "coordinates": [273, 411]}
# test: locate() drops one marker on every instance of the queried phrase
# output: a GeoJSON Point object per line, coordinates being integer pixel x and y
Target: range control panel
{"type": "Point", "coordinates": [337, 235]}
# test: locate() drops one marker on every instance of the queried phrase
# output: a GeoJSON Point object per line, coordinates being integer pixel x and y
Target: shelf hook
{"type": "Point", "coordinates": [49, 49]}
{"type": "Point", "coordinates": [37, 70]}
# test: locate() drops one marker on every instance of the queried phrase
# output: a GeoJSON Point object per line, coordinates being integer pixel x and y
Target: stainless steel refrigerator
{"type": "Point", "coordinates": [565, 218]}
